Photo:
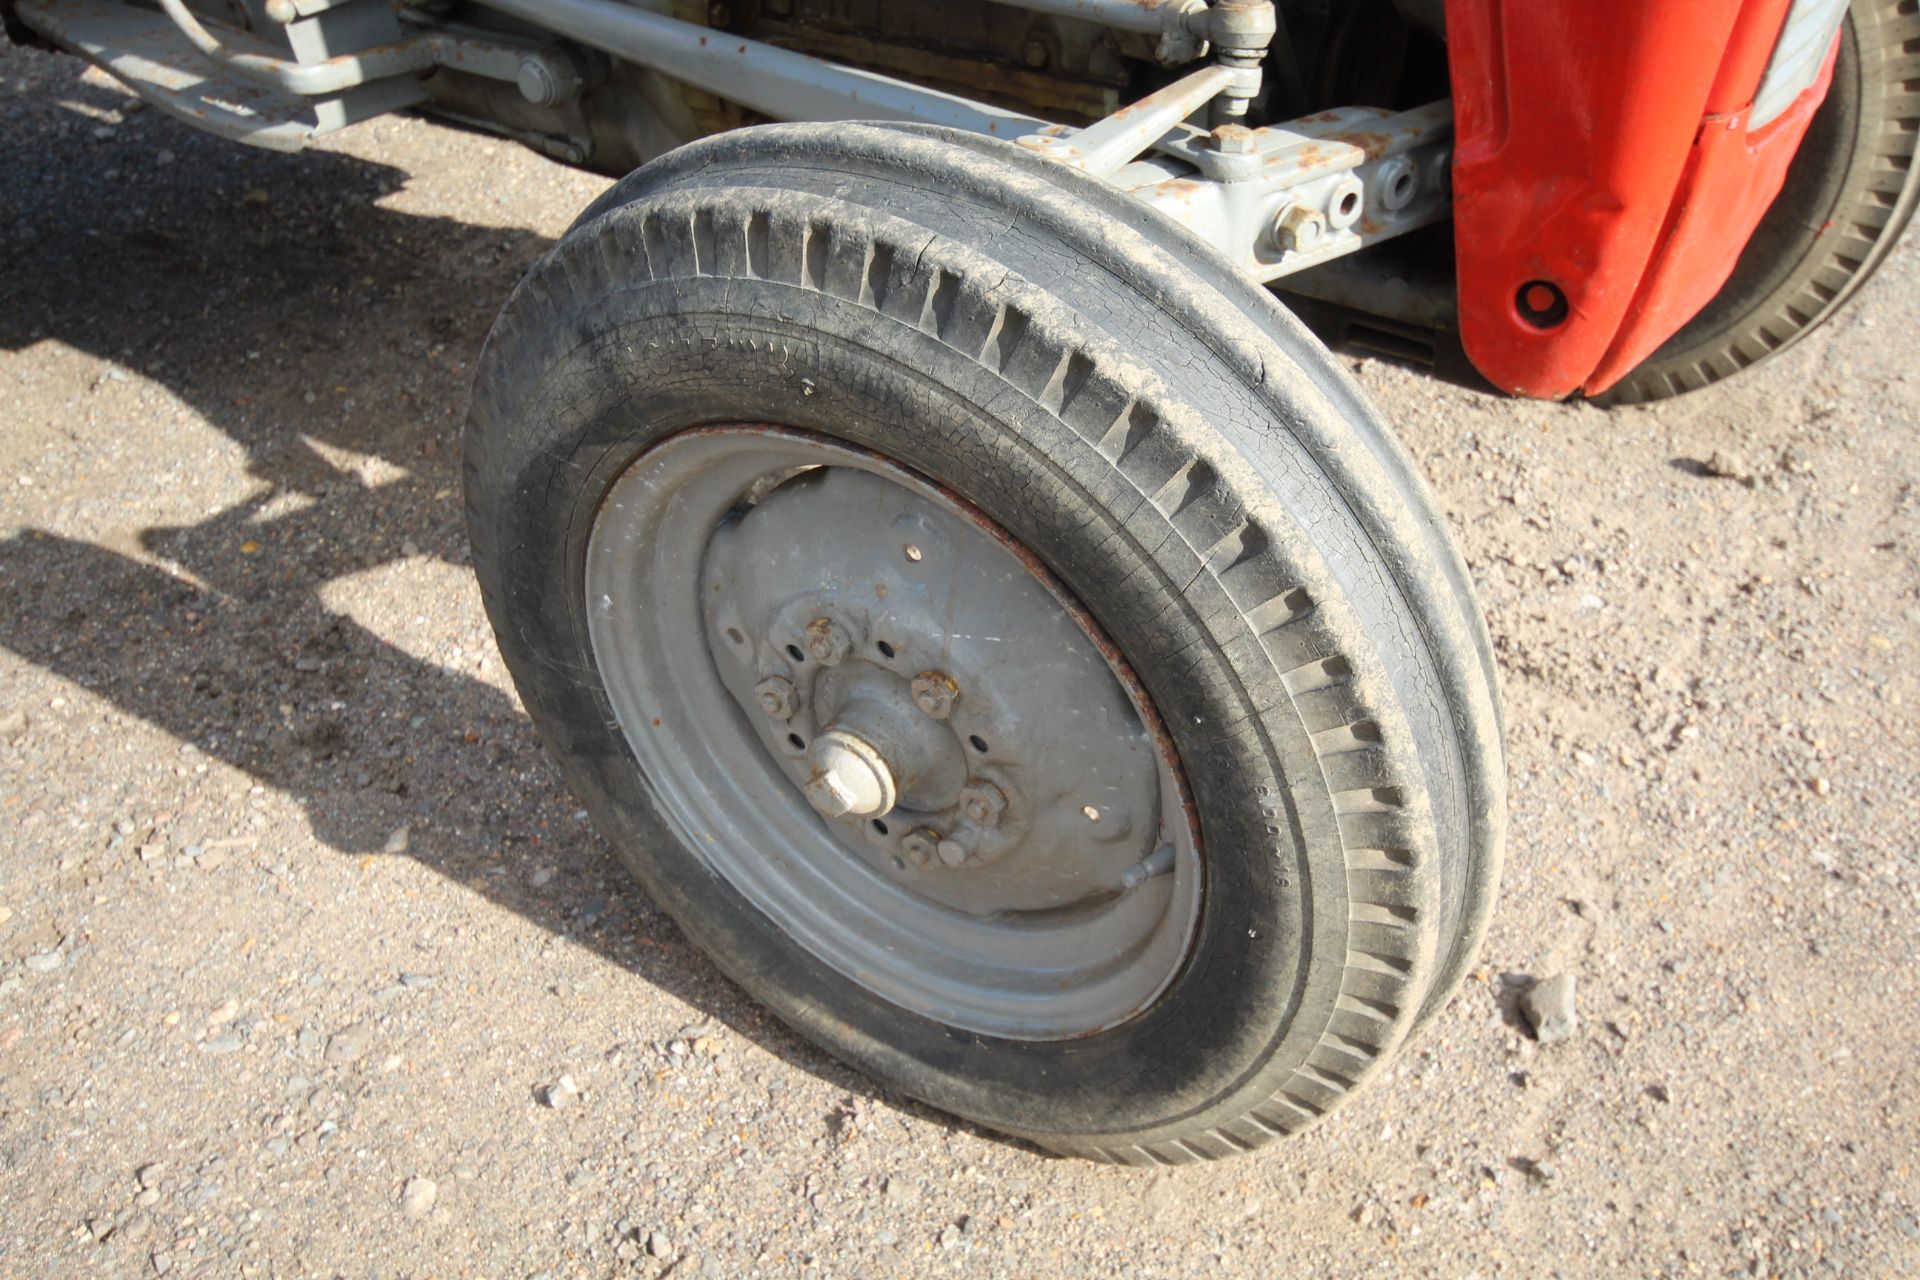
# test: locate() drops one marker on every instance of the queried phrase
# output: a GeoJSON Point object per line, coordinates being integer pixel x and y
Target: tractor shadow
{"type": "Point", "coordinates": [332, 341]}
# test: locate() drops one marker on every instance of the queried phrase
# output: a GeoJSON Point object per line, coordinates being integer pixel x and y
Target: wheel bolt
{"type": "Point", "coordinates": [935, 692]}
{"type": "Point", "coordinates": [828, 641]}
{"type": "Point", "coordinates": [777, 696]}
{"type": "Point", "coordinates": [921, 846]}
{"type": "Point", "coordinates": [983, 803]}
{"type": "Point", "coordinates": [952, 852]}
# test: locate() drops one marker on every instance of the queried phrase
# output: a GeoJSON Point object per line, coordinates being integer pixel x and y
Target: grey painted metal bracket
{"type": "Point", "coordinates": [1291, 196]}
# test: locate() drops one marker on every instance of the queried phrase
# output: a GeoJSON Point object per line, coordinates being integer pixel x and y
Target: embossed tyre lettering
{"type": "Point", "coordinates": [997, 634]}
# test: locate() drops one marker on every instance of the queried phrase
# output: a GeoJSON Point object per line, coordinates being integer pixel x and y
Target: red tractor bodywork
{"type": "Point", "coordinates": [1603, 150]}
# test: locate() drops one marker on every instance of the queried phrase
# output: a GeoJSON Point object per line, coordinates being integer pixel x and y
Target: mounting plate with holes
{"type": "Point", "coordinates": [994, 888]}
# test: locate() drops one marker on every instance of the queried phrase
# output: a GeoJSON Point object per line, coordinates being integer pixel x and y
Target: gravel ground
{"type": "Point", "coordinates": [309, 966]}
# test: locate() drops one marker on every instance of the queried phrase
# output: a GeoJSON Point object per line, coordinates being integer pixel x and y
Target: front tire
{"type": "Point", "coordinates": [1171, 458]}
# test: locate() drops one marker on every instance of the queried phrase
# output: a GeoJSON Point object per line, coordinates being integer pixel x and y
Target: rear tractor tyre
{"type": "Point", "coordinates": [1849, 193]}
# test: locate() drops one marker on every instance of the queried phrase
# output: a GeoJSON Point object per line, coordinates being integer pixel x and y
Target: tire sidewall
{"type": "Point", "coordinates": [1257, 931]}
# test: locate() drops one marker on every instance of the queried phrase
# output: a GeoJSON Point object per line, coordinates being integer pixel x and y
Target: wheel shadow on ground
{"type": "Point", "coordinates": [273, 296]}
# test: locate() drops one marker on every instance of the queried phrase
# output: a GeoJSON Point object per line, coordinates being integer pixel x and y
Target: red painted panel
{"type": "Point", "coordinates": [1734, 176]}
{"type": "Point", "coordinates": [1576, 124]}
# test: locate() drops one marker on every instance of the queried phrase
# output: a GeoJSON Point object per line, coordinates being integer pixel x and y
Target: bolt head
{"type": "Point", "coordinates": [984, 804]}
{"type": "Point", "coordinates": [828, 641]}
{"type": "Point", "coordinates": [1235, 140]}
{"type": "Point", "coordinates": [952, 852]}
{"type": "Point", "coordinates": [778, 698]}
{"type": "Point", "coordinates": [1297, 229]}
{"type": "Point", "coordinates": [1035, 52]}
{"type": "Point", "coordinates": [935, 692]}
{"type": "Point", "coordinates": [921, 846]}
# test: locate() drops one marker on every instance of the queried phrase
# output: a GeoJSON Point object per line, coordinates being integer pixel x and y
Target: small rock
{"type": "Point", "coordinates": [561, 1093]}
{"type": "Point", "coordinates": [1820, 786]}
{"type": "Point", "coordinates": [162, 1263]}
{"type": "Point", "coordinates": [349, 1043]}
{"type": "Point", "coordinates": [11, 1037]}
{"type": "Point", "coordinates": [417, 1197]}
{"type": "Point", "coordinates": [541, 878]}
{"type": "Point", "coordinates": [397, 842]}
{"type": "Point", "coordinates": [148, 1175]}
{"type": "Point", "coordinates": [416, 981]}
{"type": "Point", "coordinates": [1724, 466]}
{"type": "Point", "coordinates": [225, 1042]}
{"type": "Point", "coordinates": [6, 914]}
{"type": "Point", "coordinates": [13, 726]}
{"type": "Point", "coordinates": [1548, 1006]}
{"type": "Point", "coordinates": [658, 1245]}
{"type": "Point", "coordinates": [45, 962]}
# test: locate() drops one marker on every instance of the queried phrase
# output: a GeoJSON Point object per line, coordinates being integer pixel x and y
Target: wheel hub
{"type": "Point", "coordinates": [905, 744]}
{"type": "Point", "coordinates": [945, 716]}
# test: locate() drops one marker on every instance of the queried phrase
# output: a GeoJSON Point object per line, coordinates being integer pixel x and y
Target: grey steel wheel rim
{"type": "Point", "coordinates": [891, 731]}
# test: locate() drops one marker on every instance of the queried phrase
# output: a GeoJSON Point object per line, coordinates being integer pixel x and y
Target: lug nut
{"type": "Point", "coordinates": [952, 852]}
{"type": "Point", "coordinates": [935, 692]}
{"type": "Point", "coordinates": [828, 641]}
{"type": "Point", "coordinates": [983, 803]}
{"type": "Point", "coordinates": [778, 698]}
{"type": "Point", "coordinates": [921, 846]}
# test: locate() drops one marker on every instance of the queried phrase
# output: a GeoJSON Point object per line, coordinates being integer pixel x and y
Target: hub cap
{"type": "Point", "coordinates": [893, 732]}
